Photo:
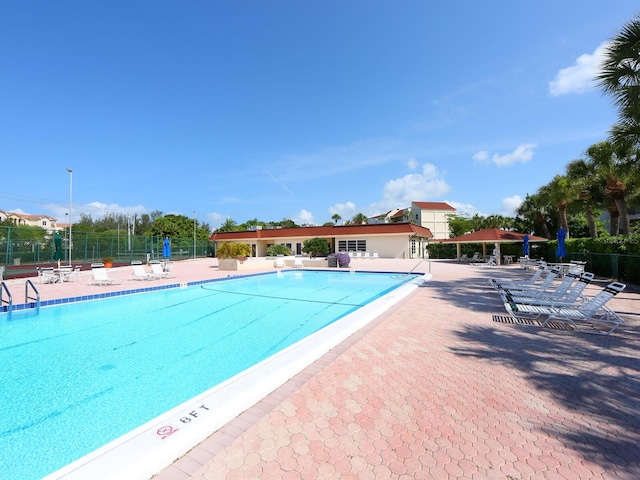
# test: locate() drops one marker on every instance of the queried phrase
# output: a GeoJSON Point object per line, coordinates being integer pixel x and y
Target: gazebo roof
{"type": "Point", "coordinates": [492, 235]}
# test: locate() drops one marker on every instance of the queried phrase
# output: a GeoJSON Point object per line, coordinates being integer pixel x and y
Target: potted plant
{"type": "Point", "coordinates": [230, 254]}
{"type": "Point", "coordinates": [107, 261]}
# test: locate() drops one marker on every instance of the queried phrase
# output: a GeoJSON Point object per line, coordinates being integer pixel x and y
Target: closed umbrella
{"type": "Point", "coordinates": [525, 244]}
{"type": "Point", "coordinates": [57, 244]}
{"type": "Point", "coordinates": [561, 252]}
{"type": "Point", "coordinates": [166, 248]}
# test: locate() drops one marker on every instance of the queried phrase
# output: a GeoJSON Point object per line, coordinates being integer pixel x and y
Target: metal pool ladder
{"type": "Point", "coordinates": [35, 291]}
{"type": "Point", "coordinates": [9, 302]}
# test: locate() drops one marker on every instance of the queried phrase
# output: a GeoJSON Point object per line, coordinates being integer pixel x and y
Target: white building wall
{"type": "Point", "coordinates": [435, 220]}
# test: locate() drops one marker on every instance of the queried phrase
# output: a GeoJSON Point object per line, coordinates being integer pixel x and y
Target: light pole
{"type": "Point", "coordinates": [194, 234]}
{"type": "Point", "coordinates": [70, 196]}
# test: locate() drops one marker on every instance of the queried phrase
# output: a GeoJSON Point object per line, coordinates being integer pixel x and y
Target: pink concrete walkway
{"type": "Point", "coordinates": [438, 387]}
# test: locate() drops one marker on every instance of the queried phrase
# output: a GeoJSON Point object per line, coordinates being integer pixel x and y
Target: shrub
{"type": "Point", "coordinates": [233, 250]}
{"type": "Point", "coordinates": [280, 249]}
{"type": "Point", "coordinates": [343, 259]}
{"type": "Point", "coordinates": [316, 247]}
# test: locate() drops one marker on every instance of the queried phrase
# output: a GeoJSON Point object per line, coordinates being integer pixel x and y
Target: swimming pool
{"type": "Point", "coordinates": [147, 371]}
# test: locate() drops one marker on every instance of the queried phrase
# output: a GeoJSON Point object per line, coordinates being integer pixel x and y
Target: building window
{"type": "Point", "coordinates": [352, 245]}
{"type": "Point", "coordinates": [413, 248]}
{"type": "Point", "coordinates": [44, 223]}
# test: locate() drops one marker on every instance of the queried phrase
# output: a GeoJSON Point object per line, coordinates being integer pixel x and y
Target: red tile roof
{"type": "Point", "coordinates": [332, 231]}
{"type": "Point", "coordinates": [433, 206]}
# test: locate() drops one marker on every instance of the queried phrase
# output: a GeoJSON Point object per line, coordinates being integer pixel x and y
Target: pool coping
{"type": "Point", "coordinates": [153, 446]}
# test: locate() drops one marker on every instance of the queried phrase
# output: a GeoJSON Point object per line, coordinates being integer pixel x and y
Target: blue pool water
{"type": "Point", "coordinates": [77, 376]}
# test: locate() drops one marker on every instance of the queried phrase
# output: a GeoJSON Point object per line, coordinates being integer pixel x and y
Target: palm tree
{"type": "Point", "coordinates": [335, 217]}
{"type": "Point", "coordinates": [581, 174]}
{"type": "Point", "coordinates": [359, 218]}
{"type": "Point", "coordinates": [615, 165]}
{"type": "Point", "coordinates": [620, 77]}
{"type": "Point", "coordinates": [535, 208]}
{"type": "Point", "coordinates": [559, 192]}
{"type": "Point", "coordinates": [229, 225]}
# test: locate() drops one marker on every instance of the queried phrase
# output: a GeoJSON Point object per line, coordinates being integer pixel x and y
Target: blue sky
{"type": "Point", "coordinates": [289, 109]}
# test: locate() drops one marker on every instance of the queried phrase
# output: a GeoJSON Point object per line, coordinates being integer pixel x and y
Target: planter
{"type": "Point", "coordinates": [229, 264]}
{"type": "Point", "coordinates": [108, 264]}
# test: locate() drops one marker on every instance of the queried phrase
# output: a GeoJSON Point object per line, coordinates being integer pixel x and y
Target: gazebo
{"type": "Point", "coordinates": [490, 235]}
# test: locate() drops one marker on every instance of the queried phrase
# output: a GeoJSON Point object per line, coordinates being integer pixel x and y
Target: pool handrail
{"type": "Point", "coordinates": [27, 297]}
{"type": "Point", "coordinates": [4, 288]}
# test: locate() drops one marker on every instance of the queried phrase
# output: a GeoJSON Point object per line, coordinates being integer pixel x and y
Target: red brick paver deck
{"type": "Point", "coordinates": [441, 387]}
{"type": "Point", "coordinates": [436, 388]}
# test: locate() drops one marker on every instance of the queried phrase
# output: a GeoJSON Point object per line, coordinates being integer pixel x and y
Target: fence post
{"type": "Point", "coordinates": [614, 265]}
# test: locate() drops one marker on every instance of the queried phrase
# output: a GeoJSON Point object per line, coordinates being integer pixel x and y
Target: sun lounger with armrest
{"type": "Point", "coordinates": [592, 314]}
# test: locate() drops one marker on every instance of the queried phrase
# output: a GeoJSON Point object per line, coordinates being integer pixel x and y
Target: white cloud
{"type": "Point", "coordinates": [464, 209]}
{"type": "Point", "coordinates": [510, 205]}
{"type": "Point", "coordinates": [400, 192]}
{"type": "Point", "coordinates": [579, 77]}
{"type": "Point", "coordinates": [97, 210]}
{"type": "Point", "coordinates": [481, 157]}
{"type": "Point", "coordinates": [345, 210]}
{"type": "Point", "coordinates": [304, 217]}
{"type": "Point", "coordinates": [413, 164]}
{"type": "Point", "coordinates": [521, 154]}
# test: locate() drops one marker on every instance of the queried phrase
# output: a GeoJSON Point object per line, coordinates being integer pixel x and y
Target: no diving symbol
{"type": "Point", "coordinates": [164, 432]}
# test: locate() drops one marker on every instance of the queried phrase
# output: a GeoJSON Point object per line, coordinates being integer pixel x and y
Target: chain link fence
{"type": "Point", "coordinates": [26, 248]}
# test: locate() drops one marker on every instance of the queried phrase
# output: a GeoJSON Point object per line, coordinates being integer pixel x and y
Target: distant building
{"type": "Point", "coordinates": [389, 240]}
{"type": "Point", "coordinates": [431, 215]}
{"type": "Point", "coordinates": [24, 219]}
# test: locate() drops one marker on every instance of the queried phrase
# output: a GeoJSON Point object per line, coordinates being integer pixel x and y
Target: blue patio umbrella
{"type": "Point", "coordinates": [166, 248]}
{"type": "Point", "coordinates": [561, 252]}
{"type": "Point", "coordinates": [525, 244]}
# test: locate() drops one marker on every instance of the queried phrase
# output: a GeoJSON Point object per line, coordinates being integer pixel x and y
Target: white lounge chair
{"type": "Point", "coordinates": [157, 271]}
{"type": "Point", "coordinates": [491, 262]}
{"type": "Point", "coordinates": [476, 258]}
{"type": "Point", "coordinates": [464, 258]}
{"type": "Point", "coordinates": [375, 255]}
{"type": "Point", "coordinates": [535, 279]}
{"type": "Point", "coordinates": [592, 314]}
{"type": "Point", "coordinates": [367, 255]}
{"type": "Point", "coordinates": [279, 262]}
{"type": "Point", "coordinates": [139, 272]}
{"type": "Point", "coordinates": [297, 262]}
{"type": "Point", "coordinates": [561, 297]}
{"type": "Point", "coordinates": [99, 275]}
{"type": "Point", "coordinates": [533, 289]}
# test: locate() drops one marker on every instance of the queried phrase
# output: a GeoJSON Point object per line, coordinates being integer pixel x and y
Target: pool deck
{"type": "Point", "coordinates": [440, 386]}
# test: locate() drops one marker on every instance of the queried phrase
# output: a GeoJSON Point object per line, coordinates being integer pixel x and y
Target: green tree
{"type": "Point", "coordinates": [559, 193]}
{"type": "Point", "coordinates": [178, 226]}
{"type": "Point", "coordinates": [535, 209]}
{"type": "Point", "coordinates": [229, 225]}
{"type": "Point", "coordinates": [316, 247]}
{"type": "Point", "coordinates": [459, 225]}
{"type": "Point", "coordinates": [620, 77]}
{"type": "Point", "coordinates": [615, 167]}
{"type": "Point", "coordinates": [359, 219]}
{"type": "Point", "coordinates": [278, 249]}
{"type": "Point", "coordinates": [336, 218]}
